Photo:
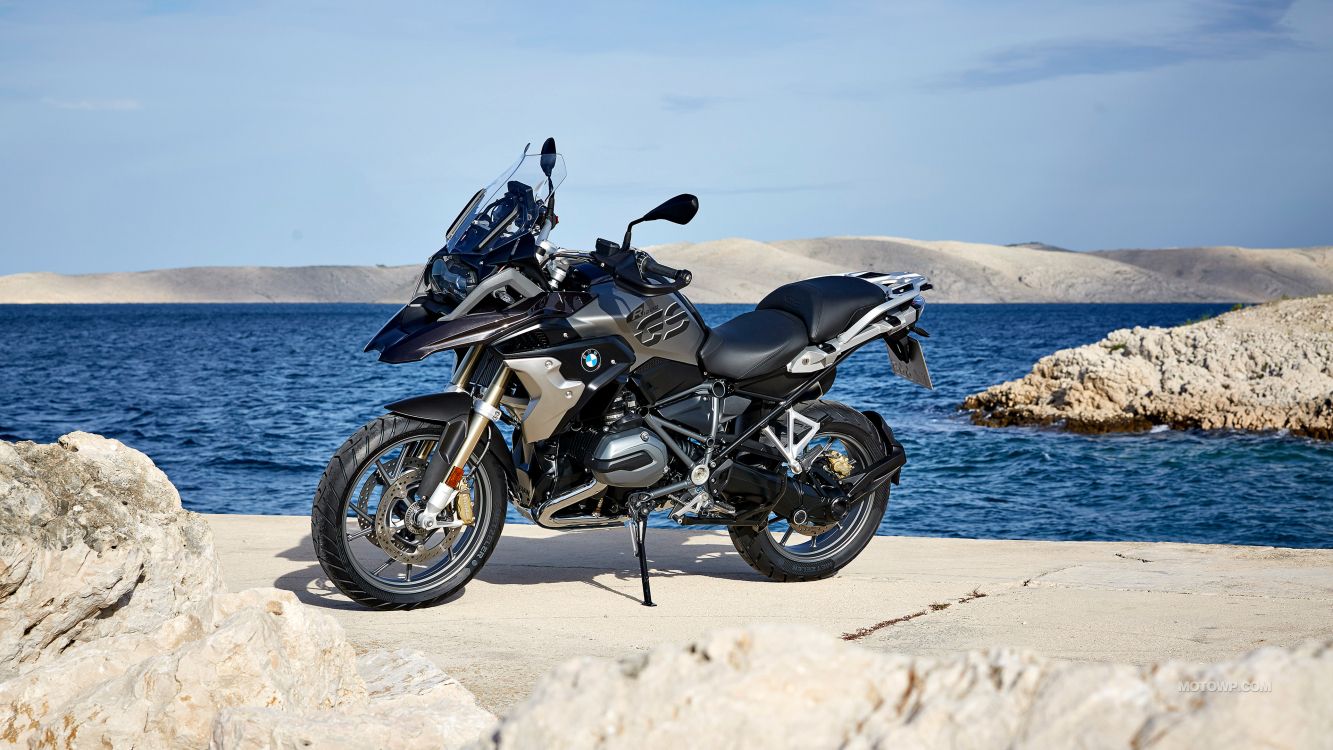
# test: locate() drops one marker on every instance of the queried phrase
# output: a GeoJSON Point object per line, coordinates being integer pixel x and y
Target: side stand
{"type": "Point", "coordinates": [638, 529]}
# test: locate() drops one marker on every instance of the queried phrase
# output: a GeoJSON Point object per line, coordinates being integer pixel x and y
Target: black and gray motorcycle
{"type": "Point", "coordinates": [622, 402]}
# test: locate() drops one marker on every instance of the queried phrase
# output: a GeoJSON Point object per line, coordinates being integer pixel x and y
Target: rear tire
{"type": "Point", "coordinates": [350, 554]}
{"type": "Point", "coordinates": [764, 551]}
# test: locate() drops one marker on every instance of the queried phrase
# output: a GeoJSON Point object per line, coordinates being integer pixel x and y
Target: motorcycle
{"type": "Point", "coordinates": [622, 403]}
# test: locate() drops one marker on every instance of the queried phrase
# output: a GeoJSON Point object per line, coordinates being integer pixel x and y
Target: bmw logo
{"type": "Point", "coordinates": [591, 360]}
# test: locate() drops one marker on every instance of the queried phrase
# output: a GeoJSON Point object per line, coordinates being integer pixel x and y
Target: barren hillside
{"type": "Point", "coordinates": [218, 284]}
{"type": "Point", "coordinates": [741, 270]}
{"type": "Point", "coordinates": [1239, 273]}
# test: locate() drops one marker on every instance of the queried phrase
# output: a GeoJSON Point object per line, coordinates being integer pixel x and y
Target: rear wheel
{"type": "Point", "coordinates": [363, 520]}
{"type": "Point", "coordinates": [787, 551]}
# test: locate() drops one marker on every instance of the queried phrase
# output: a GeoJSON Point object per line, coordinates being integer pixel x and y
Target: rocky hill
{"type": "Point", "coordinates": [1268, 367]}
{"type": "Point", "coordinates": [1238, 273]}
{"type": "Point", "coordinates": [217, 284]}
{"type": "Point", "coordinates": [741, 270]}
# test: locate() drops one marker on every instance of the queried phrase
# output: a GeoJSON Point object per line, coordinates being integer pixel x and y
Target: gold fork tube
{"type": "Point", "coordinates": [466, 364]}
{"type": "Point", "coordinates": [483, 411]}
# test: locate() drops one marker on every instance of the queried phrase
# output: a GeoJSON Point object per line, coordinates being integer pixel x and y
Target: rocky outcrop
{"type": "Point", "coordinates": [93, 542]}
{"type": "Point", "coordinates": [116, 630]}
{"type": "Point", "coordinates": [1268, 367]}
{"type": "Point", "coordinates": [787, 687]}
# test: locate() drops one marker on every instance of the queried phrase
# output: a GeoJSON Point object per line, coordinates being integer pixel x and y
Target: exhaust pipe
{"type": "Point", "coordinates": [545, 515]}
{"type": "Point", "coordinates": [780, 494]}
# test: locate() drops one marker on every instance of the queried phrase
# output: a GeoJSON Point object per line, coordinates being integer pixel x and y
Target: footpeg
{"type": "Point", "coordinates": [698, 500]}
{"type": "Point", "coordinates": [703, 503]}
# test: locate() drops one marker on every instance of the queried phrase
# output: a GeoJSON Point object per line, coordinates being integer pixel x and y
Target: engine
{"type": "Point", "coordinates": [632, 457]}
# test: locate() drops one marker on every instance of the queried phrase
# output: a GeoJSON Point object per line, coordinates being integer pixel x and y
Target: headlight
{"type": "Point", "coordinates": [451, 278]}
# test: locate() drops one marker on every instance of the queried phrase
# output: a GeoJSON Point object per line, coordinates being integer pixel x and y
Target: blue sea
{"type": "Point", "coordinates": [242, 405]}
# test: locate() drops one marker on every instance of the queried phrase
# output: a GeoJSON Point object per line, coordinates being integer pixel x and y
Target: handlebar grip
{"type": "Point", "coordinates": [652, 266]}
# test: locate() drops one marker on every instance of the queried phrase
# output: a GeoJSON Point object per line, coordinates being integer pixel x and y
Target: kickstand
{"type": "Point", "coordinates": [638, 529]}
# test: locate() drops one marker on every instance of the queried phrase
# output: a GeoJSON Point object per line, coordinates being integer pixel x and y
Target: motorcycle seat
{"type": "Point", "coordinates": [752, 344]}
{"type": "Point", "coordinates": [827, 305]}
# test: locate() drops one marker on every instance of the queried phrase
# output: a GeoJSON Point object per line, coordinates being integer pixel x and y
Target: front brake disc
{"type": "Point", "coordinates": [392, 526]}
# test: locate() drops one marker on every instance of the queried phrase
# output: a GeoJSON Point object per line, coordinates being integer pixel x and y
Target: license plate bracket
{"type": "Point", "coordinates": [909, 361]}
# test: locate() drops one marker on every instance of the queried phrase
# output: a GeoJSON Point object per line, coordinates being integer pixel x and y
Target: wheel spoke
{"type": "Point", "coordinates": [785, 537]}
{"type": "Point", "coordinates": [361, 513]}
{"type": "Point", "coordinates": [360, 533]}
{"type": "Point", "coordinates": [402, 457]}
{"type": "Point", "coordinates": [407, 574]}
{"type": "Point", "coordinates": [382, 568]}
{"type": "Point", "coordinates": [382, 474]}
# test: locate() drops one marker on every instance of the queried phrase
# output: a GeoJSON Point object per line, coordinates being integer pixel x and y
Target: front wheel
{"type": "Point", "coordinates": [787, 551]}
{"type": "Point", "coordinates": [363, 520]}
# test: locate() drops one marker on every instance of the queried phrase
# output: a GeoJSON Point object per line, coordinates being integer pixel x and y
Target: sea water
{"type": "Point", "coordinates": [242, 405]}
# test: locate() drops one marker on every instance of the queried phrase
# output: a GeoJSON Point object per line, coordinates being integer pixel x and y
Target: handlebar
{"type": "Point", "coordinates": [635, 270]}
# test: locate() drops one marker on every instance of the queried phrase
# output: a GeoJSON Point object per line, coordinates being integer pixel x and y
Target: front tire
{"type": "Point", "coordinates": [782, 550]}
{"type": "Point", "coordinates": [358, 523]}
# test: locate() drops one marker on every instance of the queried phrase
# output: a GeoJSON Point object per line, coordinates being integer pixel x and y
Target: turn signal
{"type": "Point", "coordinates": [455, 477]}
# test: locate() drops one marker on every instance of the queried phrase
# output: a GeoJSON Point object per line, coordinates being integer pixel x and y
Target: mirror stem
{"type": "Point", "coordinates": [624, 247]}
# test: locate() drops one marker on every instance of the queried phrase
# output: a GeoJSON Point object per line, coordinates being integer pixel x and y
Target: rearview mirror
{"type": "Point", "coordinates": [678, 210]}
{"type": "Point", "coordinates": [548, 157]}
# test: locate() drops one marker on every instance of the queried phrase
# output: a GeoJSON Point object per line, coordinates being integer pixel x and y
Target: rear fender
{"type": "Point", "coordinates": [893, 450]}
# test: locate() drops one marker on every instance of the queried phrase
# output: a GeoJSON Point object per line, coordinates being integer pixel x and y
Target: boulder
{"type": "Point", "coordinates": [116, 629]}
{"type": "Point", "coordinates": [93, 542]}
{"type": "Point", "coordinates": [1268, 367]}
{"type": "Point", "coordinates": [782, 686]}
{"type": "Point", "coordinates": [410, 705]}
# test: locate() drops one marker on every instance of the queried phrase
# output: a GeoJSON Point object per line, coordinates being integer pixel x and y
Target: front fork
{"type": "Point", "coordinates": [484, 410]}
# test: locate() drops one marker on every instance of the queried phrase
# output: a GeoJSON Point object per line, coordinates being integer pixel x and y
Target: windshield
{"type": "Point", "coordinates": [509, 207]}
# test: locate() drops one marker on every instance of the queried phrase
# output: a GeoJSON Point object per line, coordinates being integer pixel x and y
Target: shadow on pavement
{"type": "Point", "coordinates": [568, 557]}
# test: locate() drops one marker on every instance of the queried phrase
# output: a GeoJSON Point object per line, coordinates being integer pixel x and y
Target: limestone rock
{"type": "Point", "coordinates": [93, 542]}
{"type": "Point", "coordinates": [116, 630]}
{"type": "Point", "coordinates": [778, 686]}
{"type": "Point", "coordinates": [411, 705]}
{"type": "Point", "coordinates": [1261, 368]}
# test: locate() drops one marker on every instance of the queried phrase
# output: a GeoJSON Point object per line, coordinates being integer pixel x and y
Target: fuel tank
{"type": "Point", "coordinates": [664, 326]}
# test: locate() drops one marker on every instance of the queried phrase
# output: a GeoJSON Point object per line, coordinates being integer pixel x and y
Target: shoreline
{"type": "Point", "coordinates": [545, 597]}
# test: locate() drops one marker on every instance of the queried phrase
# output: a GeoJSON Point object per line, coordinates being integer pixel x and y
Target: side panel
{"type": "Point", "coordinates": [398, 342]}
{"type": "Point", "coordinates": [448, 334]}
{"type": "Point", "coordinates": [561, 380]}
{"type": "Point", "coordinates": [655, 327]}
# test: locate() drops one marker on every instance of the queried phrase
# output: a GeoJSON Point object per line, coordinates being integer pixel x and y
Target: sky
{"type": "Point", "coordinates": [139, 135]}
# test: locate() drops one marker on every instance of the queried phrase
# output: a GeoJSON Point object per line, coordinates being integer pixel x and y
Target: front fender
{"type": "Point", "coordinates": [455, 407]}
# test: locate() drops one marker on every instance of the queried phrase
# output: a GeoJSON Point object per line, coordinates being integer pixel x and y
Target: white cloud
{"type": "Point", "coordinates": [95, 105]}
